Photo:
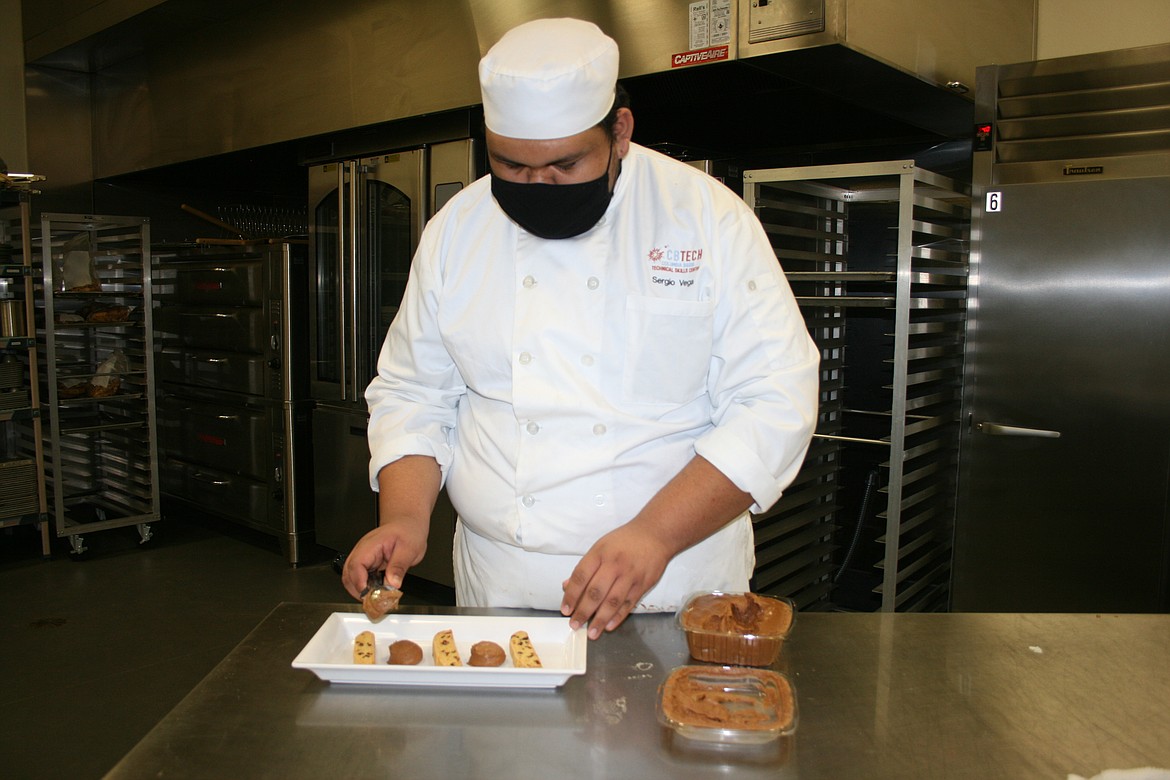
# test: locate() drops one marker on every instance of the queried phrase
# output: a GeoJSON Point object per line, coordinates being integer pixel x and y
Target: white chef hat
{"type": "Point", "coordinates": [548, 78]}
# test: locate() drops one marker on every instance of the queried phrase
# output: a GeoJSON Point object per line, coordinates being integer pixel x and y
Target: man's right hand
{"type": "Point", "coordinates": [392, 548]}
{"type": "Point", "coordinates": [407, 489]}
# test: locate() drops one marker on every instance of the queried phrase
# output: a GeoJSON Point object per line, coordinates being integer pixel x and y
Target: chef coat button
{"type": "Point", "coordinates": [752, 286]}
{"type": "Point", "coordinates": [529, 282]}
{"type": "Point", "coordinates": [532, 428]}
{"type": "Point", "coordinates": [586, 360]}
{"type": "Point", "coordinates": [525, 358]}
{"type": "Point", "coordinates": [599, 499]}
{"type": "Point", "coordinates": [593, 283]}
{"type": "Point", "coordinates": [528, 500]}
{"type": "Point", "coordinates": [598, 429]}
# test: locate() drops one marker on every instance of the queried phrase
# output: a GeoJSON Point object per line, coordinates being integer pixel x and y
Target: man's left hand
{"type": "Point", "coordinates": [610, 579]}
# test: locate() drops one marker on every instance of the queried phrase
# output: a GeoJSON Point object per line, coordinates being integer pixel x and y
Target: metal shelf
{"type": "Point", "coordinates": [21, 431]}
{"type": "Point", "coordinates": [101, 455]}
{"type": "Point", "coordinates": [880, 248]}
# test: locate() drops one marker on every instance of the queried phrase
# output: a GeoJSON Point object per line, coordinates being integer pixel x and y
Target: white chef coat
{"type": "Point", "coordinates": [561, 383]}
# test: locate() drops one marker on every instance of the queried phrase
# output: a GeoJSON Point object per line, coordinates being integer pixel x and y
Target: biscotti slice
{"type": "Point", "coordinates": [363, 648]}
{"type": "Point", "coordinates": [522, 652]}
{"type": "Point", "coordinates": [445, 652]}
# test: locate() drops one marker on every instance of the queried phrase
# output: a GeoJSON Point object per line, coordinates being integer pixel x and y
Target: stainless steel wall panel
{"type": "Point", "coordinates": [648, 31]}
{"type": "Point", "coordinates": [58, 106]}
{"type": "Point", "coordinates": [283, 71]}
{"type": "Point", "coordinates": [49, 27]}
{"type": "Point", "coordinates": [261, 73]}
{"type": "Point", "coordinates": [942, 42]}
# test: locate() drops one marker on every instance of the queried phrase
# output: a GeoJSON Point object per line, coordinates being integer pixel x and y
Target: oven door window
{"type": "Point", "coordinates": [390, 247]}
{"type": "Point", "coordinates": [327, 360]}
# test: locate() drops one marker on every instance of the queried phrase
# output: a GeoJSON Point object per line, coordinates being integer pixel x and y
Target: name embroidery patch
{"type": "Point", "coordinates": [670, 266]}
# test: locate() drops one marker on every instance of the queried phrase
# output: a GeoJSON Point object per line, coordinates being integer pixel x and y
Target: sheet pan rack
{"type": "Point", "coordinates": [876, 254]}
{"type": "Point", "coordinates": [94, 322]}
{"type": "Point", "coordinates": [22, 476]}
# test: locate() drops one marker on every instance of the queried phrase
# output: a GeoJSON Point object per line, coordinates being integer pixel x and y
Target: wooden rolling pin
{"type": "Point", "coordinates": [213, 220]}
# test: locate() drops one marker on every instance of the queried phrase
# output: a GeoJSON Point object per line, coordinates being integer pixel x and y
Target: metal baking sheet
{"type": "Point", "coordinates": [329, 653]}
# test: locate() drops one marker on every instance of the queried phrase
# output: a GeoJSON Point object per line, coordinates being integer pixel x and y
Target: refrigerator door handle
{"type": "Point", "coordinates": [999, 429]}
{"type": "Point", "coordinates": [342, 212]}
{"type": "Point", "coordinates": [357, 187]}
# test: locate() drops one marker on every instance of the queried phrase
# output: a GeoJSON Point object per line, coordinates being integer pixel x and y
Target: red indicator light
{"type": "Point", "coordinates": [983, 137]}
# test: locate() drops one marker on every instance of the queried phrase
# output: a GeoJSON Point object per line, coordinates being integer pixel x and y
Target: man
{"type": "Point", "coordinates": [598, 354]}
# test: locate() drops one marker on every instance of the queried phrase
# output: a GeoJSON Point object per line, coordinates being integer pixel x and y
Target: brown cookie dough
{"type": "Point", "coordinates": [728, 698]}
{"type": "Point", "coordinates": [405, 653]}
{"type": "Point", "coordinates": [486, 654]}
{"type": "Point", "coordinates": [379, 600]}
{"type": "Point", "coordinates": [741, 613]}
{"type": "Point", "coordinates": [736, 628]}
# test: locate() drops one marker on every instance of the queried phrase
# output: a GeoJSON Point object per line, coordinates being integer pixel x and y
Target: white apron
{"type": "Point", "coordinates": [489, 573]}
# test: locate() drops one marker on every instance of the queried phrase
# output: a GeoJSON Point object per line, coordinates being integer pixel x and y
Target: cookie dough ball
{"type": "Point", "coordinates": [486, 654]}
{"type": "Point", "coordinates": [405, 653]}
{"type": "Point", "coordinates": [380, 600]}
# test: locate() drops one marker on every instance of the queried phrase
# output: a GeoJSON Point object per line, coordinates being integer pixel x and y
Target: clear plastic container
{"type": "Point", "coordinates": [727, 705]}
{"type": "Point", "coordinates": [742, 629]}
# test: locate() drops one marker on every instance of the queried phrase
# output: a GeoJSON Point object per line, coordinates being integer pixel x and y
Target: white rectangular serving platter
{"type": "Point", "coordinates": [329, 654]}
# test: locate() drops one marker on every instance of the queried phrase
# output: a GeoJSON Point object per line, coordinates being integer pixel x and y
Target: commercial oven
{"type": "Point", "coordinates": [233, 376]}
{"type": "Point", "coordinates": [365, 219]}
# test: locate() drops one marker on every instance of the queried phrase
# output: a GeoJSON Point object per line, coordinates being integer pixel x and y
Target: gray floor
{"type": "Point", "coordinates": [94, 652]}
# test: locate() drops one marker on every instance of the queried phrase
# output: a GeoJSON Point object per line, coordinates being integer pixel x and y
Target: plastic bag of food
{"type": "Point", "coordinates": [72, 387]}
{"type": "Point", "coordinates": [105, 312]}
{"type": "Point", "coordinates": [76, 269]}
{"type": "Point", "coordinates": [108, 378]}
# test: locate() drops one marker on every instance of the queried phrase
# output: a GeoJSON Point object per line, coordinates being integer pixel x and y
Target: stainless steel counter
{"type": "Point", "coordinates": [879, 696]}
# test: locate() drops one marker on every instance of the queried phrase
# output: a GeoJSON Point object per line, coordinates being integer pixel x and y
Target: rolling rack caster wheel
{"type": "Point", "coordinates": [77, 549]}
{"type": "Point", "coordinates": [144, 533]}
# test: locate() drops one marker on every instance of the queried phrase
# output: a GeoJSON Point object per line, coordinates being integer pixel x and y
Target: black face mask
{"type": "Point", "coordinates": [554, 210]}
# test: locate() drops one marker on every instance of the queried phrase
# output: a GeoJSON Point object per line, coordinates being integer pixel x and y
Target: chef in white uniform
{"type": "Point", "coordinates": [597, 354]}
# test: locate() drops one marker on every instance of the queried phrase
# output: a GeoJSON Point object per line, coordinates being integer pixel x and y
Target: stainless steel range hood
{"type": "Point", "coordinates": [189, 79]}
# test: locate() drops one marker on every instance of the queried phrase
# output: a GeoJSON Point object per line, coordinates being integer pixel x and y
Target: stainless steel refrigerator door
{"type": "Point", "coordinates": [1065, 457]}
